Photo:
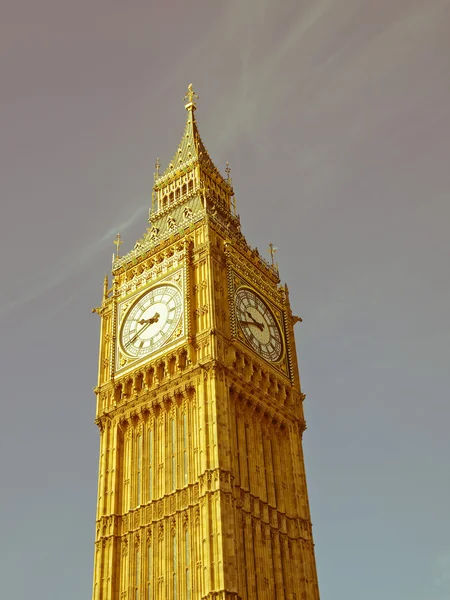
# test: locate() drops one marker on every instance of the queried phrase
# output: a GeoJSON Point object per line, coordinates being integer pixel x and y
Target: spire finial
{"type": "Point", "coordinates": [272, 252]}
{"type": "Point", "coordinates": [190, 97]}
{"type": "Point", "coordinates": [228, 170]}
{"type": "Point", "coordinates": [157, 165]}
{"type": "Point", "coordinates": [118, 242]}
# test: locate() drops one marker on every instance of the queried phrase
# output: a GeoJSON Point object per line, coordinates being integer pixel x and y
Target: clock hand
{"type": "Point", "coordinates": [146, 323]}
{"type": "Point", "coordinates": [260, 326]}
{"type": "Point", "coordinates": [153, 319]}
{"type": "Point", "coordinates": [130, 341]}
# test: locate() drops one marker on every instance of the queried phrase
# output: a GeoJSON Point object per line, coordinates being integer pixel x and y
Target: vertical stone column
{"type": "Point", "coordinates": [278, 566]}
{"type": "Point", "coordinates": [287, 575]}
{"type": "Point", "coordinates": [101, 470]}
{"type": "Point", "coordinates": [114, 470]}
{"type": "Point", "coordinates": [198, 588]}
{"type": "Point", "coordinates": [243, 454]}
{"type": "Point", "coordinates": [250, 557]}
{"type": "Point", "coordinates": [162, 562]}
{"type": "Point", "coordinates": [279, 472]}
{"type": "Point", "coordinates": [96, 588]}
{"type": "Point", "coordinates": [112, 579]}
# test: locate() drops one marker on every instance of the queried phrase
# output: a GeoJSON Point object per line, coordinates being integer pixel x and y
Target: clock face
{"type": "Point", "coordinates": [258, 325]}
{"type": "Point", "coordinates": [151, 321]}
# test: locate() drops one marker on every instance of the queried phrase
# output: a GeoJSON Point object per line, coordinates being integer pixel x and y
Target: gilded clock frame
{"type": "Point", "coordinates": [177, 279]}
{"type": "Point", "coordinates": [278, 311]}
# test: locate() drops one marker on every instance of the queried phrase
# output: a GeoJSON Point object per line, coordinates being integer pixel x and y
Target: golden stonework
{"type": "Point", "coordinates": [202, 491]}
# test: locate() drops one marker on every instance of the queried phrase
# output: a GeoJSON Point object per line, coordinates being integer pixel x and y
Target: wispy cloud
{"type": "Point", "coordinates": [258, 88]}
{"type": "Point", "coordinates": [334, 74]}
{"type": "Point", "coordinates": [248, 25]}
{"type": "Point", "coordinates": [270, 69]}
{"type": "Point", "coordinates": [70, 265]}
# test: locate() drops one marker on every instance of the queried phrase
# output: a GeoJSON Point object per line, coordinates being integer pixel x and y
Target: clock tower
{"type": "Point", "coordinates": [202, 492]}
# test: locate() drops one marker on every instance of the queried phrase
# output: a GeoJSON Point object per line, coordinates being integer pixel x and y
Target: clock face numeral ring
{"type": "Point", "coordinates": [151, 321]}
{"type": "Point", "coordinates": [258, 324]}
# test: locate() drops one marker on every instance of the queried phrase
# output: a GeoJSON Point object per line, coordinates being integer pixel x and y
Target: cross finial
{"type": "Point", "coordinates": [272, 252]}
{"type": "Point", "coordinates": [118, 242]}
{"type": "Point", "coordinates": [228, 170]}
{"type": "Point", "coordinates": [157, 165]}
{"type": "Point", "coordinates": [190, 97]}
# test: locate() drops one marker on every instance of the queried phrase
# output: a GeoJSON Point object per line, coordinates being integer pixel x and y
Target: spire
{"type": "Point", "coordinates": [191, 150]}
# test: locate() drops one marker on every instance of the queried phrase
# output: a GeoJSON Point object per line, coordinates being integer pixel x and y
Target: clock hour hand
{"type": "Point", "coordinates": [260, 326]}
{"type": "Point", "coordinates": [153, 319]}
{"type": "Point", "coordinates": [146, 323]}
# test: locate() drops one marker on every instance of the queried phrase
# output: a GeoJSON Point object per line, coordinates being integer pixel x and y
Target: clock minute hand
{"type": "Point", "coordinates": [130, 341]}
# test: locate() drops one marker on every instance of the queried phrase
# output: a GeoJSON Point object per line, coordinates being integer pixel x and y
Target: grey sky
{"type": "Point", "coordinates": [335, 118]}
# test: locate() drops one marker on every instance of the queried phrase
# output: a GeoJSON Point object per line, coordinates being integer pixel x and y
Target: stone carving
{"type": "Point", "coordinates": [154, 231]}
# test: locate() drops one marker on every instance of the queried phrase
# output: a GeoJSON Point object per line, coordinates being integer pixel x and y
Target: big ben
{"type": "Point", "coordinates": [201, 492]}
